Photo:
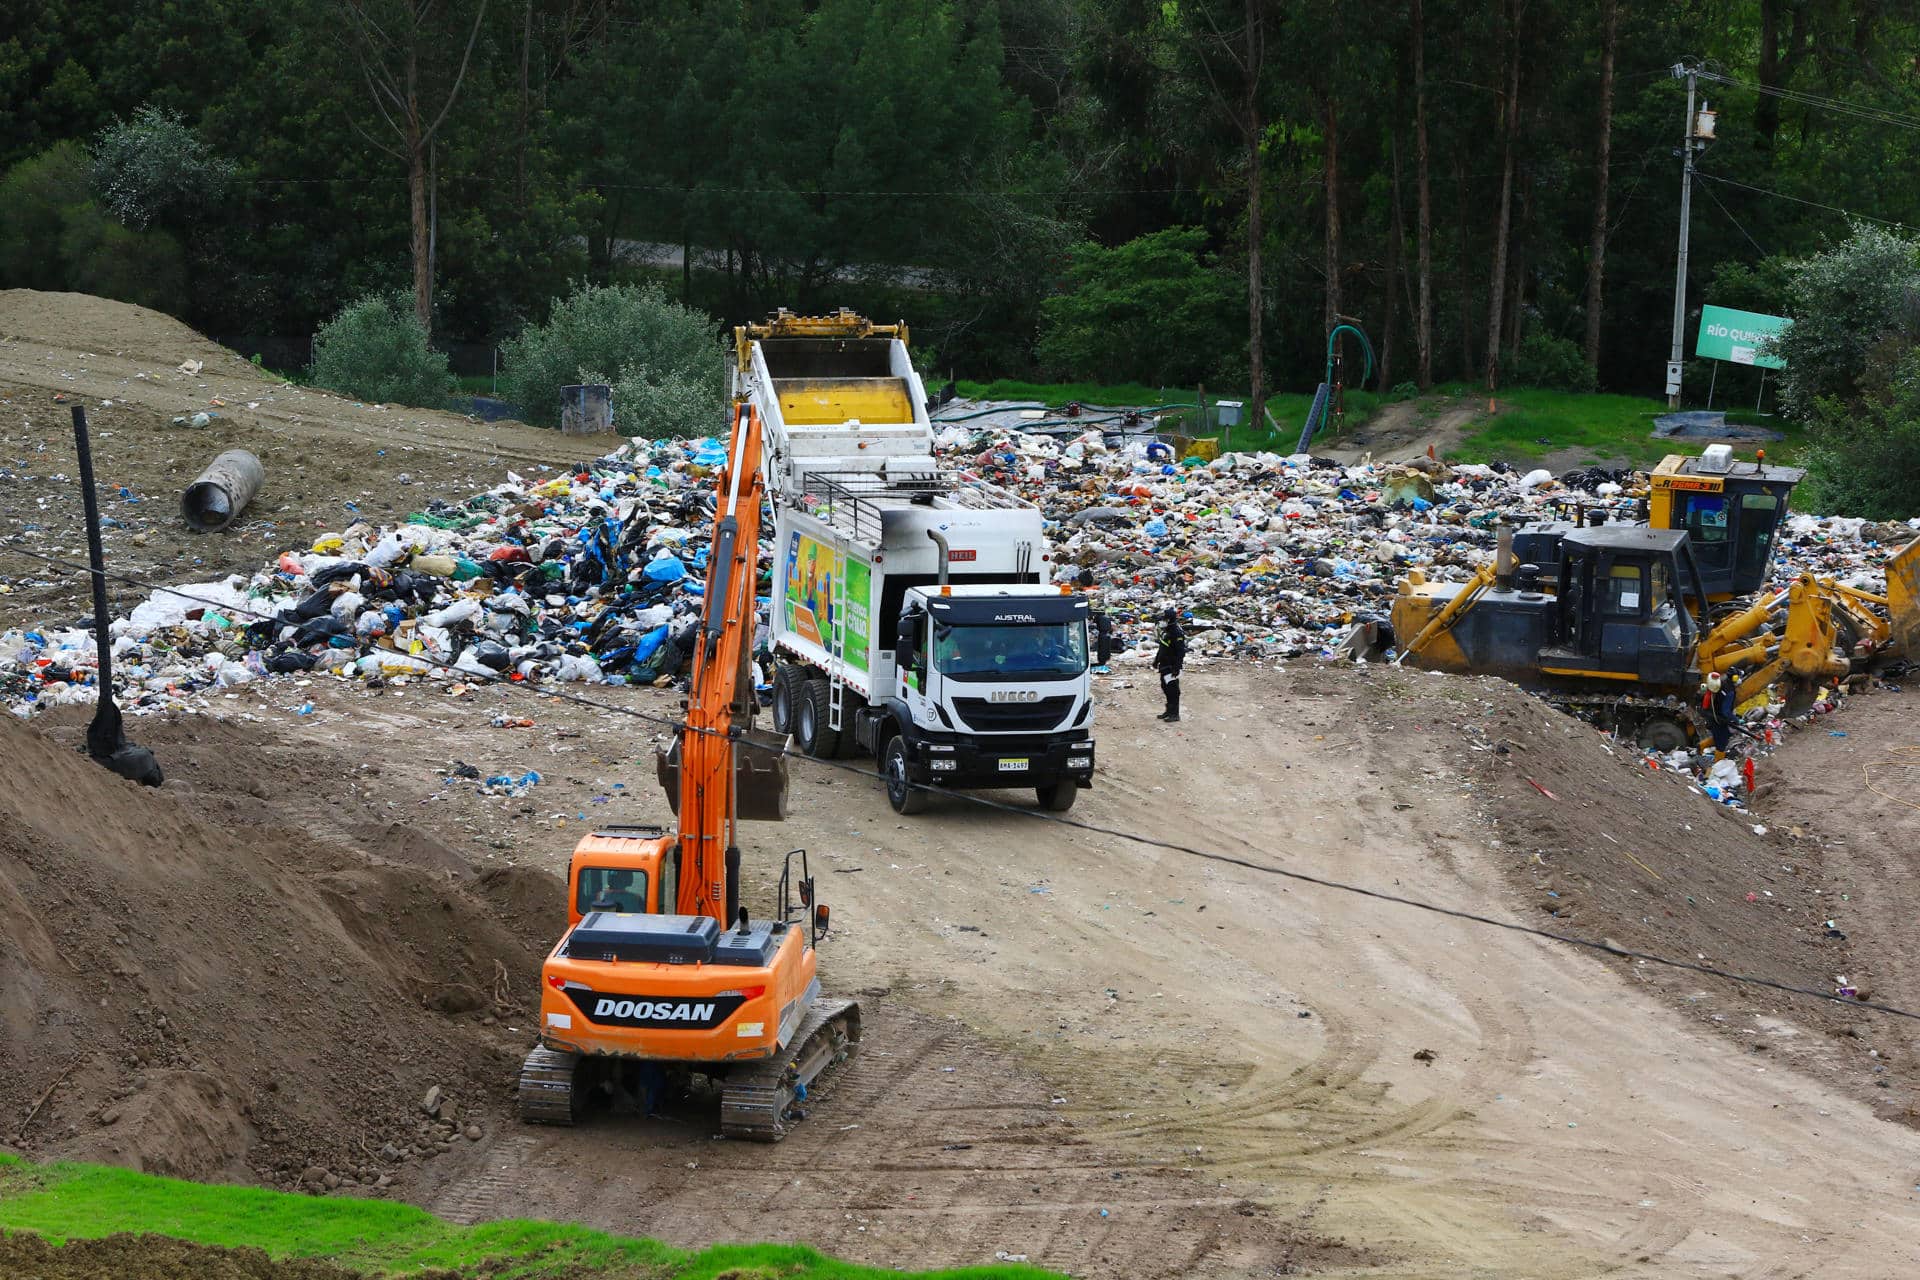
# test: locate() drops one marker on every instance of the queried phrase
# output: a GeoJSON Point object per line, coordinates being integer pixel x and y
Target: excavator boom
{"type": "Point", "coordinates": [661, 973]}
{"type": "Point", "coordinates": [719, 694]}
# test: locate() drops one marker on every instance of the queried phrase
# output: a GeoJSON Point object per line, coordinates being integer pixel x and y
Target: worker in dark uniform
{"type": "Point", "coordinates": [1102, 640]}
{"type": "Point", "coordinates": [1168, 660]}
{"type": "Point", "coordinates": [1717, 707]}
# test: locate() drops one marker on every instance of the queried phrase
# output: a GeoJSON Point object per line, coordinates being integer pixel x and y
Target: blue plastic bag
{"type": "Point", "coordinates": [668, 568]}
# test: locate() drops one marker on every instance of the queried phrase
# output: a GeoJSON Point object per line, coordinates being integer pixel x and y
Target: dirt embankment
{"type": "Point", "coordinates": [1605, 848]}
{"type": "Point", "coordinates": [254, 972]}
{"type": "Point", "coordinates": [123, 1257]}
{"type": "Point", "coordinates": [329, 459]}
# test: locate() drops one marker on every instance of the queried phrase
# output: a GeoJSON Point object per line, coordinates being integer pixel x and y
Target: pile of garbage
{"type": "Point", "coordinates": [1270, 556]}
{"type": "Point", "coordinates": [591, 576]}
{"type": "Point", "coordinates": [597, 575]}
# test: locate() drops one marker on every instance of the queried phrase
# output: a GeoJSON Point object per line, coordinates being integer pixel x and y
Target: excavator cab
{"type": "Point", "coordinates": [624, 869]}
{"type": "Point", "coordinates": [1731, 511]}
{"type": "Point", "coordinates": [1619, 610]}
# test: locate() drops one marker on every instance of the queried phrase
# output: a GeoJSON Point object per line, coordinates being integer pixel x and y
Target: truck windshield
{"type": "Point", "coordinates": [1029, 651]}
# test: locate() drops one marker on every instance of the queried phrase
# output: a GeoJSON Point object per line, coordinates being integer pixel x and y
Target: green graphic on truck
{"type": "Point", "coordinates": [857, 635]}
{"type": "Point", "coordinates": [812, 570]}
{"type": "Point", "coordinates": [815, 572]}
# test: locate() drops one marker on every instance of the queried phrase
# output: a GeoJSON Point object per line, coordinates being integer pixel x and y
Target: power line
{"type": "Point", "coordinates": [1730, 218]}
{"type": "Point", "coordinates": [1172, 846]}
{"type": "Point", "coordinates": [1781, 195]}
{"type": "Point", "coordinates": [1877, 115]}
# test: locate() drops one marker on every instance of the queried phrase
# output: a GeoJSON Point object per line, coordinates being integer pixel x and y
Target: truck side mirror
{"type": "Point", "coordinates": [905, 641]}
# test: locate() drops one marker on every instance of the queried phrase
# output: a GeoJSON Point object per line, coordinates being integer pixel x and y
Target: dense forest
{"type": "Point", "coordinates": [1487, 188]}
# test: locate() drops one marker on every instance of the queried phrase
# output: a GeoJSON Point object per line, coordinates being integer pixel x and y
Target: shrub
{"type": "Point", "coordinates": [38, 198]}
{"type": "Point", "coordinates": [661, 359]}
{"type": "Point", "coordinates": [147, 268]}
{"type": "Point", "coordinates": [155, 168]}
{"type": "Point", "coordinates": [1554, 364]}
{"type": "Point", "coordinates": [375, 349]}
{"type": "Point", "coordinates": [1151, 310]}
{"type": "Point", "coordinates": [1864, 457]}
{"type": "Point", "coordinates": [1844, 302]}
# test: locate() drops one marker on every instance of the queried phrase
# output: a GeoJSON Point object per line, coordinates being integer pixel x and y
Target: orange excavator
{"type": "Point", "coordinates": [661, 974]}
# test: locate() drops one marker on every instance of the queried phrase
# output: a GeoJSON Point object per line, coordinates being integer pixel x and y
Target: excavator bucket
{"type": "Point", "coordinates": [759, 775]}
{"type": "Point", "coordinates": [1903, 600]}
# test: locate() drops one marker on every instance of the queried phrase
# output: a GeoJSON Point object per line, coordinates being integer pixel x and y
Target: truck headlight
{"type": "Point", "coordinates": [941, 764]}
{"type": "Point", "coordinates": [1079, 762]}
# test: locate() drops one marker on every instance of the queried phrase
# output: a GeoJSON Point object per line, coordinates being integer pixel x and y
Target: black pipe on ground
{"type": "Point", "coordinates": [106, 735]}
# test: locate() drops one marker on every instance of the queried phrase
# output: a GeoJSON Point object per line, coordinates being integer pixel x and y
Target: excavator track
{"type": "Point", "coordinates": [757, 1103]}
{"type": "Point", "coordinates": [547, 1093]}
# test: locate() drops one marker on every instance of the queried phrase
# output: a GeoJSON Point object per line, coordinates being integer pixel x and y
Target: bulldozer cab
{"type": "Point", "coordinates": [1731, 510]}
{"type": "Point", "coordinates": [1619, 606]}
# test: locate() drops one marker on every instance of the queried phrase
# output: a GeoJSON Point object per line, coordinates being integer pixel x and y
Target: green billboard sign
{"type": "Point", "coordinates": [1738, 336]}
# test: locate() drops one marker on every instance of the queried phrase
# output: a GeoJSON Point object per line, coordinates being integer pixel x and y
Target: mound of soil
{"type": "Point", "coordinates": [28, 1257]}
{"type": "Point", "coordinates": [1621, 853]}
{"type": "Point", "coordinates": [118, 329]}
{"type": "Point", "coordinates": [220, 979]}
{"type": "Point", "coordinates": [329, 459]}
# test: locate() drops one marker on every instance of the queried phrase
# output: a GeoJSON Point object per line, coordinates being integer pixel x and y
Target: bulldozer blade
{"type": "Point", "coordinates": [1903, 600]}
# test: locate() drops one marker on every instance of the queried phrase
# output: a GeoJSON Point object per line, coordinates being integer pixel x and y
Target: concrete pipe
{"type": "Point", "coordinates": [222, 492]}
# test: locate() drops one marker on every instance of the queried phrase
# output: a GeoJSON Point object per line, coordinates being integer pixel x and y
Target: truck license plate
{"type": "Point", "coordinates": [1014, 766]}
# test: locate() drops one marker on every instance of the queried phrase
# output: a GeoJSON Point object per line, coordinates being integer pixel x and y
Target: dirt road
{"type": "Point", "coordinates": [1252, 1073]}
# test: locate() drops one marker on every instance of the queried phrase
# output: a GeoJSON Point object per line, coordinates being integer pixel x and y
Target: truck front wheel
{"type": "Point", "coordinates": [1058, 797]}
{"type": "Point", "coordinates": [812, 710]}
{"type": "Point", "coordinates": [901, 793]}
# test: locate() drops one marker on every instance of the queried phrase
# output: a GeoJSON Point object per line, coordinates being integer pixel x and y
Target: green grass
{"type": "Point", "coordinates": [69, 1201]}
{"type": "Point", "coordinates": [1605, 428]}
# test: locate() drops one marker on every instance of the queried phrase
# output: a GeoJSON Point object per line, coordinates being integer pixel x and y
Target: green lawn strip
{"type": "Point", "coordinates": [67, 1201]}
{"type": "Point", "coordinates": [1534, 423]}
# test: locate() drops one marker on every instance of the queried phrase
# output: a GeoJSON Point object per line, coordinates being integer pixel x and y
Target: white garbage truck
{"type": "Point", "coordinates": [912, 618]}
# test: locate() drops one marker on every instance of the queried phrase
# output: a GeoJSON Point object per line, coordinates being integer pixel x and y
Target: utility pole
{"type": "Point", "coordinates": [1690, 73]}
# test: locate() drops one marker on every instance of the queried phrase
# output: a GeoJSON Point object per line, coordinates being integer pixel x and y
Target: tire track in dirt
{"type": "Point", "coordinates": [880, 1172]}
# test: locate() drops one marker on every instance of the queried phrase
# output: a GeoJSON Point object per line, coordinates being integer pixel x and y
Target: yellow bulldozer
{"type": "Point", "coordinates": [1623, 621]}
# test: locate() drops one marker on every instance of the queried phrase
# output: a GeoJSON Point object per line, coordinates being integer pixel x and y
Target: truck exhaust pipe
{"type": "Point", "coordinates": [1503, 558]}
{"type": "Point", "coordinates": [940, 540]}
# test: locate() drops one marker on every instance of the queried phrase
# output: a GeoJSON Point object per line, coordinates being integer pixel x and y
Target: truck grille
{"type": "Point", "coordinates": [1013, 717]}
